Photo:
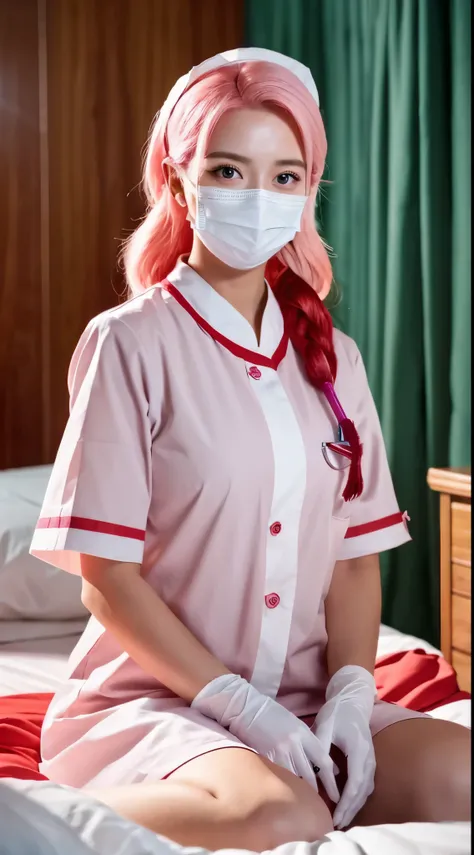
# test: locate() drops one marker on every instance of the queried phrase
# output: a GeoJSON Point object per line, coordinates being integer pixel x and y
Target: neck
{"type": "Point", "coordinates": [245, 290]}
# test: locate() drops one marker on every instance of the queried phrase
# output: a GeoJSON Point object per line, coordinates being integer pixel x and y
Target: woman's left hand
{"type": "Point", "coordinates": [344, 721]}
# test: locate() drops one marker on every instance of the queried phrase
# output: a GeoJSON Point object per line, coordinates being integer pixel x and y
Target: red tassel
{"type": "Point", "coordinates": [355, 481]}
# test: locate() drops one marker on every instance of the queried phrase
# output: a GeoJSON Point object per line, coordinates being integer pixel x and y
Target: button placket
{"type": "Point", "coordinates": [273, 600]}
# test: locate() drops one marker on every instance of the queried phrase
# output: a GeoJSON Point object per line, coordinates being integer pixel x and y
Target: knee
{"type": "Point", "coordinates": [283, 818]}
{"type": "Point", "coordinates": [290, 821]}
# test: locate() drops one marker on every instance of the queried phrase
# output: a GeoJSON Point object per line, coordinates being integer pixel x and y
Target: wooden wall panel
{"type": "Point", "coordinates": [21, 433]}
{"type": "Point", "coordinates": [80, 82]}
{"type": "Point", "coordinates": [110, 65]}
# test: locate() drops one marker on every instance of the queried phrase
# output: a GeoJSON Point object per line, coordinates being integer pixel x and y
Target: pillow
{"type": "Point", "coordinates": [30, 588]}
{"type": "Point", "coordinates": [43, 818]}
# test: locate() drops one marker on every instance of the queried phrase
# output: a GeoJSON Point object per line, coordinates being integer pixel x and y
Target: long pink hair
{"type": "Point", "coordinates": [300, 274]}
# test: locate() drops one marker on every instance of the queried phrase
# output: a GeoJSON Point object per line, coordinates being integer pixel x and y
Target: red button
{"type": "Point", "coordinates": [255, 372]}
{"type": "Point", "coordinates": [275, 528]}
{"type": "Point", "coordinates": [272, 600]}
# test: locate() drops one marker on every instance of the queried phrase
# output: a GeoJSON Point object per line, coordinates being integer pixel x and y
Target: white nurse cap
{"type": "Point", "coordinates": [230, 57]}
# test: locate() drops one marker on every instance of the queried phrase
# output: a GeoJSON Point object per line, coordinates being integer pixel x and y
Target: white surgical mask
{"type": "Point", "coordinates": [244, 228]}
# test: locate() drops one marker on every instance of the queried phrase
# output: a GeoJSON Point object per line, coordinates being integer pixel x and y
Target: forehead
{"type": "Point", "coordinates": [256, 133]}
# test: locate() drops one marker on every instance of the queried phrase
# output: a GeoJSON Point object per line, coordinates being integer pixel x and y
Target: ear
{"type": "Point", "coordinates": [174, 183]}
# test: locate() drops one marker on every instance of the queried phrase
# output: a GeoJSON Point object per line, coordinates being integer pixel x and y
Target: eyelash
{"type": "Point", "coordinates": [229, 166]}
{"type": "Point", "coordinates": [293, 175]}
{"type": "Point", "coordinates": [224, 166]}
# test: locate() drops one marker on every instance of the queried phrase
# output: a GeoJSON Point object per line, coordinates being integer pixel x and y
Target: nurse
{"type": "Point", "coordinates": [223, 489]}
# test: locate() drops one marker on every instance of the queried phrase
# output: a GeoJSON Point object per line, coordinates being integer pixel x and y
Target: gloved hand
{"type": "Point", "coordinates": [344, 721]}
{"type": "Point", "coordinates": [263, 724]}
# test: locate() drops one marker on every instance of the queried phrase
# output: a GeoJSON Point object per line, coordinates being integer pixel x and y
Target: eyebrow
{"type": "Point", "coordinates": [241, 159]}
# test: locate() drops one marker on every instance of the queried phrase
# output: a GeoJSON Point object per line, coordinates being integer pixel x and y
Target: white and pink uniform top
{"type": "Point", "coordinates": [196, 451]}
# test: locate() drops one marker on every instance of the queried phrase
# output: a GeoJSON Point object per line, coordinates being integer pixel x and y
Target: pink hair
{"type": "Point", "coordinates": [300, 274]}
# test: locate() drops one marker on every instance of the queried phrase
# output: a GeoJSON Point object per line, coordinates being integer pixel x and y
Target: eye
{"type": "Point", "coordinates": [286, 178]}
{"type": "Point", "coordinates": [227, 172]}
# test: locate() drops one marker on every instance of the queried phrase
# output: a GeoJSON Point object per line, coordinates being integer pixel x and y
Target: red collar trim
{"type": "Point", "coordinates": [236, 349]}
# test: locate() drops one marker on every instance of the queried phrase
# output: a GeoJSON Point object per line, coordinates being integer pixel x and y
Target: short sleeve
{"type": "Point", "coordinates": [98, 496]}
{"type": "Point", "coordinates": [376, 522]}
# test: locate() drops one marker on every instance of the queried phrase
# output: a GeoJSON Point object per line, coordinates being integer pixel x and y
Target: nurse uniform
{"type": "Point", "coordinates": [196, 451]}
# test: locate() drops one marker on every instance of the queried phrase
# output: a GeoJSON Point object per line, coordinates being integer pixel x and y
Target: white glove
{"type": "Point", "coordinates": [344, 721]}
{"type": "Point", "coordinates": [263, 724]}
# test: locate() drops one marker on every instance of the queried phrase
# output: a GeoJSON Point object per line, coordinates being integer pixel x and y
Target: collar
{"type": "Point", "coordinates": [224, 323]}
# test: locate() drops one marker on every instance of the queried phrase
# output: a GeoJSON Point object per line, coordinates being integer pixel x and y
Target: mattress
{"type": "Point", "coordinates": [393, 641]}
{"type": "Point", "coordinates": [34, 655]}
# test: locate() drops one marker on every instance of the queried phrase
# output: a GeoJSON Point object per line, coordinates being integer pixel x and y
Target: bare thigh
{"type": "Point", "coordinates": [423, 773]}
{"type": "Point", "coordinates": [226, 798]}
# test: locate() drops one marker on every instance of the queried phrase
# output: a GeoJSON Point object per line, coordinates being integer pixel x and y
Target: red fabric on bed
{"type": "Point", "coordinates": [414, 679]}
{"type": "Point", "coordinates": [21, 717]}
{"type": "Point", "coordinates": [417, 680]}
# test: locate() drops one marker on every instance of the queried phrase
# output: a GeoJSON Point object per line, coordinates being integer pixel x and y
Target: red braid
{"type": "Point", "coordinates": [310, 328]}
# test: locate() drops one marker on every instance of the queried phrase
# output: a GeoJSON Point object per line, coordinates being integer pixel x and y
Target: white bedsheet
{"type": "Point", "coordinates": [41, 818]}
{"type": "Point", "coordinates": [393, 641]}
{"type": "Point", "coordinates": [34, 654]}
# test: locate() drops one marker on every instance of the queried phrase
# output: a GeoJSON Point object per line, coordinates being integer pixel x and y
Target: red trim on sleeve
{"type": "Point", "coordinates": [236, 349]}
{"type": "Point", "coordinates": [375, 525]}
{"type": "Point", "coordinates": [91, 525]}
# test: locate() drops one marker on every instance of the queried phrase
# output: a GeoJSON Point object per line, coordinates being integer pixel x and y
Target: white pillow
{"type": "Point", "coordinates": [30, 588]}
{"type": "Point", "coordinates": [42, 818]}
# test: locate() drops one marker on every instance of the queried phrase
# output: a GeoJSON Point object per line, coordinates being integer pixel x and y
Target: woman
{"type": "Point", "coordinates": [222, 510]}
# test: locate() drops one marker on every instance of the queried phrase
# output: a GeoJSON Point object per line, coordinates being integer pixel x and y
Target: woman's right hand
{"type": "Point", "coordinates": [263, 724]}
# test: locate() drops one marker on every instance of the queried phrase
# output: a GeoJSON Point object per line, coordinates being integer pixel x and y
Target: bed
{"type": "Point", "coordinates": [33, 659]}
{"type": "Point", "coordinates": [41, 618]}
{"type": "Point", "coordinates": [34, 655]}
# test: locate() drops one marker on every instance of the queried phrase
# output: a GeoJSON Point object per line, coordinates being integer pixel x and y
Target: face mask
{"type": "Point", "coordinates": [244, 228]}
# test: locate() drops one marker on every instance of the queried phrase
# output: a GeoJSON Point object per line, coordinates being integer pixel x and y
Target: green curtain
{"type": "Point", "coordinates": [394, 83]}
